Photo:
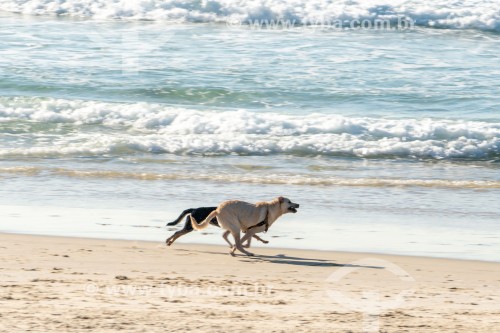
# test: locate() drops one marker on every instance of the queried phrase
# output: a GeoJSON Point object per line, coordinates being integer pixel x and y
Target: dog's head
{"type": "Point", "coordinates": [287, 206]}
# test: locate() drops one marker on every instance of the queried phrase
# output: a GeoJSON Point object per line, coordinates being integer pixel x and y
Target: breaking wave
{"type": "Point", "coordinates": [53, 127]}
{"type": "Point", "coordinates": [461, 14]}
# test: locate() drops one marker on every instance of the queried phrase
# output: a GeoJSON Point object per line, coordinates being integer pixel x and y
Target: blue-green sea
{"type": "Point", "coordinates": [116, 116]}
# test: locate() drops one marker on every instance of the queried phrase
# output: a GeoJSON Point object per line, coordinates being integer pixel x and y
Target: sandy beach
{"type": "Point", "coordinates": [56, 284]}
{"type": "Point", "coordinates": [381, 119]}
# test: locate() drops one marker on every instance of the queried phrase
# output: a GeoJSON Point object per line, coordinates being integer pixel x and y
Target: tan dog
{"type": "Point", "coordinates": [235, 216]}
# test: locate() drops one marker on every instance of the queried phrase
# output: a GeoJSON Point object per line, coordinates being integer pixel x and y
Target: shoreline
{"type": "Point", "coordinates": [255, 245]}
{"type": "Point", "coordinates": [325, 233]}
{"type": "Point", "coordinates": [78, 284]}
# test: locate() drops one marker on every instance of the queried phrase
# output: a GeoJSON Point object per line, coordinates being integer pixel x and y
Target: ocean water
{"type": "Point", "coordinates": [382, 119]}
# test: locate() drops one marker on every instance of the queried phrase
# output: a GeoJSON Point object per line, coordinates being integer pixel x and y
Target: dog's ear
{"type": "Point", "coordinates": [281, 199]}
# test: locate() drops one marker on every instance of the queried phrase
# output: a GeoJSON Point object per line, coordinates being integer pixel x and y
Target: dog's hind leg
{"type": "Point", "coordinates": [234, 229]}
{"type": "Point", "coordinates": [176, 235]}
{"type": "Point", "coordinates": [225, 236]}
{"type": "Point", "coordinates": [185, 230]}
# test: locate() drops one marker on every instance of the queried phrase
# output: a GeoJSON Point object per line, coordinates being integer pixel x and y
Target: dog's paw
{"type": "Point", "coordinates": [265, 242]}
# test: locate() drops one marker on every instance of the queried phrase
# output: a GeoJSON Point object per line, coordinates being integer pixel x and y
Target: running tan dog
{"type": "Point", "coordinates": [235, 216]}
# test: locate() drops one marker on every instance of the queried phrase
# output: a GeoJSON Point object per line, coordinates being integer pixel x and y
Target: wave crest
{"type": "Point", "coordinates": [462, 14]}
{"type": "Point", "coordinates": [53, 127]}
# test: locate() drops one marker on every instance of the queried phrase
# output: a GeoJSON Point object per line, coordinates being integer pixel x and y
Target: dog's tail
{"type": "Point", "coordinates": [184, 213]}
{"type": "Point", "coordinates": [205, 222]}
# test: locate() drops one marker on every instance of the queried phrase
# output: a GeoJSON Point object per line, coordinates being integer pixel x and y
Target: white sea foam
{"type": "Point", "coordinates": [457, 14]}
{"type": "Point", "coordinates": [98, 128]}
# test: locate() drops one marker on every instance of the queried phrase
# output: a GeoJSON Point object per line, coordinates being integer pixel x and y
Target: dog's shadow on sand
{"type": "Point", "coordinates": [299, 261]}
{"type": "Point", "coordinates": [288, 260]}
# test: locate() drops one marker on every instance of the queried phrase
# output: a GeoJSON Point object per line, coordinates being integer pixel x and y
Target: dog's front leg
{"type": "Point", "coordinates": [248, 242]}
{"type": "Point", "coordinates": [260, 239]}
{"type": "Point", "coordinates": [238, 245]}
{"type": "Point", "coordinates": [247, 238]}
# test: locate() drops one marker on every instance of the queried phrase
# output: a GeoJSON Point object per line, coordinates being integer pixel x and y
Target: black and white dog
{"type": "Point", "coordinates": [199, 214]}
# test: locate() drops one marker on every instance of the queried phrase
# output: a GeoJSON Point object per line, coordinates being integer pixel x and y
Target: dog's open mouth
{"type": "Point", "coordinates": [292, 209]}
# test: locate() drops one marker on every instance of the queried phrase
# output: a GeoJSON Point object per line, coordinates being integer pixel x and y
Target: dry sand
{"type": "Point", "coordinates": [52, 284]}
